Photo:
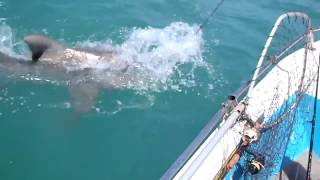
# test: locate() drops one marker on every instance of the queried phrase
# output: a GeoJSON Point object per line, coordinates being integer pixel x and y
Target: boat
{"type": "Point", "coordinates": [266, 129]}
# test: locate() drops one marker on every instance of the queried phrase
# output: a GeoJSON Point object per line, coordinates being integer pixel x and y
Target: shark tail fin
{"type": "Point", "coordinates": [38, 44]}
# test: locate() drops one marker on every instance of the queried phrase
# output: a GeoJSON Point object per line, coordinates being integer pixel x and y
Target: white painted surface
{"type": "Point", "coordinates": [283, 80]}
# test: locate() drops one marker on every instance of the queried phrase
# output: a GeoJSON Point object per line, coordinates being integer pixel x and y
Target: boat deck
{"type": "Point", "coordinates": [297, 169]}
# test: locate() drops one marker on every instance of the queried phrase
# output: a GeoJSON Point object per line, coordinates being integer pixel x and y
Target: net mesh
{"type": "Point", "coordinates": [279, 103]}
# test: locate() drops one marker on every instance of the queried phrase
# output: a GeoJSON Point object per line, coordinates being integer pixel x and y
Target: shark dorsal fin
{"type": "Point", "coordinates": [38, 44]}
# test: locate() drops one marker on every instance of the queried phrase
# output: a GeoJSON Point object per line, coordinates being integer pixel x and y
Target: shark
{"type": "Point", "coordinates": [86, 70]}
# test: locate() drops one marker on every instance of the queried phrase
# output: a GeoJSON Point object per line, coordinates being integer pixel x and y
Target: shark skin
{"type": "Point", "coordinates": [79, 67]}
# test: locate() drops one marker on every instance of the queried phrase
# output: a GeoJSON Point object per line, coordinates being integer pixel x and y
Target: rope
{"type": "Point", "coordinates": [214, 10]}
{"type": "Point", "coordinates": [313, 127]}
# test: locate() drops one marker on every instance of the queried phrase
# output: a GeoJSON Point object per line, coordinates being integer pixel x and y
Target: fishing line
{"type": "Point", "coordinates": [313, 127]}
{"type": "Point", "coordinates": [213, 11]}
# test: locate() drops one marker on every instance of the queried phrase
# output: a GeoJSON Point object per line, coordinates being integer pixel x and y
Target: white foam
{"type": "Point", "coordinates": [153, 56]}
{"type": "Point", "coordinates": [8, 45]}
{"type": "Point", "coordinates": [159, 51]}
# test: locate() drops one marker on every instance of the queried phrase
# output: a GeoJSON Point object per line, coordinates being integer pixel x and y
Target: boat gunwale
{"type": "Point", "coordinates": [217, 118]}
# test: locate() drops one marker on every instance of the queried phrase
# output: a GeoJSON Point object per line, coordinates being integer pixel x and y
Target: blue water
{"type": "Point", "coordinates": [134, 132]}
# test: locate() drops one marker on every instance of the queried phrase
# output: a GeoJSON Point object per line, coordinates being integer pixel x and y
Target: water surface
{"type": "Point", "coordinates": [134, 132]}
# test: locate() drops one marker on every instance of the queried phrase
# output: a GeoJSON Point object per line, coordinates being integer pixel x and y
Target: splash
{"type": "Point", "coordinates": [8, 45]}
{"type": "Point", "coordinates": [160, 50]}
{"type": "Point", "coordinates": [155, 56]}
{"type": "Point", "coordinates": [157, 59]}
{"type": "Point", "coordinates": [6, 40]}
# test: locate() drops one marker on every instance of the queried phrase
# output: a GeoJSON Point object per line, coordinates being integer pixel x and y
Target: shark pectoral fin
{"type": "Point", "coordinates": [83, 96]}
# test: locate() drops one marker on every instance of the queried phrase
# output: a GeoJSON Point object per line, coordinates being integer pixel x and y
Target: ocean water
{"type": "Point", "coordinates": [136, 130]}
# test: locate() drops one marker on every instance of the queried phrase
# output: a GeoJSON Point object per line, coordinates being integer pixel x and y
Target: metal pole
{"type": "Point", "coordinates": [268, 42]}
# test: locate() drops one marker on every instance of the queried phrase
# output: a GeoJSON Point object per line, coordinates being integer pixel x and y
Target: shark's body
{"type": "Point", "coordinates": [85, 70]}
{"type": "Point", "coordinates": [46, 49]}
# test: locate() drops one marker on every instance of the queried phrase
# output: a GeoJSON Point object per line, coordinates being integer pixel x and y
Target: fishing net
{"type": "Point", "coordinates": [280, 101]}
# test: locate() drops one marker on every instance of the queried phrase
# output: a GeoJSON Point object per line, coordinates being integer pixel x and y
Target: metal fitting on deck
{"type": "Point", "coordinates": [256, 165]}
{"type": "Point", "coordinates": [239, 108]}
{"type": "Point", "coordinates": [229, 105]}
{"type": "Point", "coordinates": [250, 134]}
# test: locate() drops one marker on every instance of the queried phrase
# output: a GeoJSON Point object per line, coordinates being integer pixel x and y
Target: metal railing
{"type": "Point", "coordinates": [240, 92]}
{"type": "Point", "coordinates": [270, 38]}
